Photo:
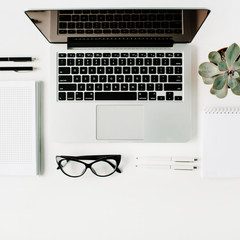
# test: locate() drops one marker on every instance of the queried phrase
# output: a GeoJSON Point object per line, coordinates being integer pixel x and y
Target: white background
{"type": "Point", "coordinates": [139, 203]}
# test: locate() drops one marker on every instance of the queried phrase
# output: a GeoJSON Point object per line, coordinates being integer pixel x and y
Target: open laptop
{"type": "Point", "coordinates": [120, 74]}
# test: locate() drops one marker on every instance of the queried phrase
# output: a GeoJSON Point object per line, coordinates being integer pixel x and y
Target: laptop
{"type": "Point", "coordinates": [120, 75]}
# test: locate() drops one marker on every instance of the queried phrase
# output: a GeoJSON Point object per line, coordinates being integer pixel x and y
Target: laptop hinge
{"type": "Point", "coordinates": [74, 42]}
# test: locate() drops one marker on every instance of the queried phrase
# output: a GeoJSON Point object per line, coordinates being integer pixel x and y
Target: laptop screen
{"type": "Point", "coordinates": [176, 25]}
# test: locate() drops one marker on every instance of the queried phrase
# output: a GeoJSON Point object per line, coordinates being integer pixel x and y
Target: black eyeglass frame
{"type": "Point", "coordinates": [94, 158]}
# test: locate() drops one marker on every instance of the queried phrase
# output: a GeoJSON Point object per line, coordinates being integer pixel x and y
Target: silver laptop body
{"type": "Point", "coordinates": [85, 106]}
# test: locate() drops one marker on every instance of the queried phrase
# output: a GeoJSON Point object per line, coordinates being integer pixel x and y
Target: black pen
{"type": "Point", "coordinates": [16, 69]}
{"type": "Point", "coordinates": [16, 59]}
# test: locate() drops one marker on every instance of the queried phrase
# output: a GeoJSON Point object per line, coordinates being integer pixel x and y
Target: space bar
{"type": "Point", "coordinates": [115, 96]}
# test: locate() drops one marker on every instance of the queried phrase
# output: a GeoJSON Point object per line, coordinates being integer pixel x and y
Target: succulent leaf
{"type": "Point", "coordinates": [220, 93]}
{"type": "Point", "coordinates": [236, 65]}
{"type": "Point", "coordinates": [208, 70]}
{"type": "Point", "coordinates": [222, 66]}
{"type": "Point", "coordinates": [219, 82]}
{"type": "Point", "coordinates": [208, 80]}
{"type": "Point", "coordinates": [232, 54]}
{"type": "Point", "coordinates": [214, 57]}
{"type": "Point", "coordinates": [236, 89]}
{"type": "Point", "coordinates": [232, 83]}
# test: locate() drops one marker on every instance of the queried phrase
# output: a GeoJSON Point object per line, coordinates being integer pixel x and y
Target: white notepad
{"type": "Point", "coordinates": [220, 147]}
{"type": "Point", "coordinates": [19, 128]}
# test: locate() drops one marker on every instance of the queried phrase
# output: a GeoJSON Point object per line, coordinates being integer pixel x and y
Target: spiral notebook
{"type": "Point", "coordinates": [220, 146]}
{"type": "Point", "coordinates": [19, 128]}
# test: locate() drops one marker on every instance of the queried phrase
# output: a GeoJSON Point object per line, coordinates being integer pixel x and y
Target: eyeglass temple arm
{"type": "Point", "coordinates": [112, 165]}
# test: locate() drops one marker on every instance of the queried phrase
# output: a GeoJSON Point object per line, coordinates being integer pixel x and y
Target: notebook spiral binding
{"type": "Point", "coordinates": [222, 110]}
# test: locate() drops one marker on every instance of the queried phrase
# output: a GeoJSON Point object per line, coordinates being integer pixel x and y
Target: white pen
{"type": "Point", "coordinates": [161, 159]}
{"type": "Point", "coordinates": [171, 167]}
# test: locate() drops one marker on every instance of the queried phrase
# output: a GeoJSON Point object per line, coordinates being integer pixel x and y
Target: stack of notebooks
{"type": "Point", "coordinates": [19, 128]}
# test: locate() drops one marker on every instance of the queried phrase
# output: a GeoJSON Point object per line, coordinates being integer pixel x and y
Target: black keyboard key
{"type": "Point", "coordinates": [102, 78]}
{"type": "Point", "coordinates": [105, 61]}
{"type": "Point", "coordinates": [172, 87]}
{"type": "Point", "coordinates": [141, 87]}
{"type": "Point", "coordinates": [169, 54]}
{"type": "Point", "coordinates": [70, 62]}
{"type": "Point", "coordinates": [62, 55]}
{"type": "Point", "coordinates": [79, 96]}
{"type": "Point", "coordinates": [135, 70]}
{"type": "Point", "coordinates": [150, 86]}
{"type": "Point", "coordinates": [165, 61]}
{"type": "Point", "coordinates": [62, 62]}
{"type": "Point", "coordinates": [152, 70]}
{"type": "Point", "coordinates": [94, 78]}
{"type": "Point", "coordinates": [178, 70]}
{"type": "Point", "coordinates": [158, 87]}
{"type": "Point", "coordinates": [116, 96]}
{"type": "Point", "coordinates": [77, 78]}
{"type": "Point", "coordinates": [154, 78]}
{"type": "Point", "coordinates": [177, 54]}
{"type": "Point", "coordinates": [128, 78]}
{"type": "Point", "coordinates": [80, 54]}
{"type": "Point", "coordinates": [70, 96]}
{"type": "Point", "coordinates": [71, 54]}
{"type": "Point", "coordinates": [118, 70]}
{"type": "Point", "coordinates": [169, 96]}
{"type": "Point", "coordinates": [81, 87]}
{"type": "Point", "coordinates": [115, 87]}
{"type": "Point", "coordinates": [61, 96]}
{"type": "Point", "coordinates": [163, 78]}
{"type": "Point", "coordinates": [111, 78]}
{"type": "Point", "coordinates": [85, 78]}
{"type": "Point", "coordinates": [79, 62]}
{"type": "Point", "coordinates": [65, 18]}
{"type": "Point", "coordinates": [161, 98]}
{"type": "Point", "coordinates": [133, 87]}
{"type": "Point", "coordinates": [100, 70]}
{"type": "Point", "coordinates": [88, 96]}
{"type": "Point", "coordinates": [92, 70]}
{"type": "Point", "coordinates": [90, 87]}
{"type": "Point", "coordinates": [156, 61]}
{"type": "Point", "coordinates": [145, 78]}
{"type": "Point", "coordinates": [65, 78]}
{"type": "Point", "coordinates": [62, 31]}
{"type": "Point", "coordinates": [152, 96]}
{"type": "Point", "coordinates": [75, 70]}
{"type": "Point", "coordinates": [107, 87]}
{"type": "Point", "coordinates": [109, 70]}
{"type": "Point", "coordinates": [137, 78]}
{"type": "Point", "coordinates": [107, 55]}
{"type": "Point", "coordinates": [83, 70]}
{"type": "Point", "coordinates": [178, 98]}
{"type": "Point", "coordinates": [120, 78]}
{"type": "Point", "coordinates": [98, 87]}
{"type": "Point", "coordinates": [161, 70]}
{"type": "Point", "coordinates": [169, 70]}
{"type": "Point", "coordinates": [176, 61]}
{"type": "Point", "coordinates": [67, 87]}
{"type": "Point", "coordinates": [142, 96]}
{"type": "Point", "coordinates": [64, 70]}
{"type": "Point", "coordinates": [124, 87]}
{"type": "Point", "coordinates": [175, 78]}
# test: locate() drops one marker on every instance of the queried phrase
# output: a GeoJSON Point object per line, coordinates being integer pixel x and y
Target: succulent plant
{"type": "Point", "coordinates": [223, 71]}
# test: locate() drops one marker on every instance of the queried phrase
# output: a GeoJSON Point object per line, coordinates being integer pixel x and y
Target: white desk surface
{"type": "Point", "coordinates": [138, 204]}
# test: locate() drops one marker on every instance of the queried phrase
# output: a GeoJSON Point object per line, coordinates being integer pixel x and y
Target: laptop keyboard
{"type": "Point", "coordinates": [134, 76]}
{"type": "Point", "coordinates": [120, 22]}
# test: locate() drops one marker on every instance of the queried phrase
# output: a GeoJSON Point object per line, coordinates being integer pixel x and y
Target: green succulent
{"type": "Point", "coordinates": [223, 71]}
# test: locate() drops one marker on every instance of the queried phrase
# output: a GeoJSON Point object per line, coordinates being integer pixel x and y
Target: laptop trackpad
{"type": "Point", "coordinates": [120, 122]}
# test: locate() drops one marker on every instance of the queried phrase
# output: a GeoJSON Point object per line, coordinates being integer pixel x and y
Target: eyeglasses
{"type": "Point", "coordinates": [100, 165]}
